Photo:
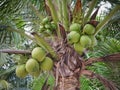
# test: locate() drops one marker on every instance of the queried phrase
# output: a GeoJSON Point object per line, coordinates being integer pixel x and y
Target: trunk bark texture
{"type": "Point", "coordinates": [68, 83]}
{"type": "Point", "coordinates": [67, 68]}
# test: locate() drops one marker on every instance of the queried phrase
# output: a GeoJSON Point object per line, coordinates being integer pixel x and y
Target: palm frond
{"type": "Point", "coordinates": [3, 36]}
{"type": "Point", "coordinates": [3, 57]}
{"type": "Point", "coordinates": [39, 4]}
{"type": "Point", "coordinates": [21, 14]}
{"type": "Point", "coordinates": [9, 7]}
{"type": "Point", "coordinates": [115, 18]}
{"type": "Point", "coordinates": [8, 38]}
{"type": "Point", "coordinates": [108, 69]}
{"type": "Point", "coordinates": [110, 46]}
{"type": "Point", "coordinates": [7, 71]}
{"type": "Point", "coordinates": [84, 83]}
{"type": "Point", "coordinates": [39, 82]}
{"type": "Point", "coordinates": [90, 84]}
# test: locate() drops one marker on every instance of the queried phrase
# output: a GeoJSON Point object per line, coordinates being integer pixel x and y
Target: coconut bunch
{"type": "Point", "coordinates": [81, 39]}
{"type": "Point", "coordinates": [47, 26]}
{"type": "Point", "coordinates": [38, 63]}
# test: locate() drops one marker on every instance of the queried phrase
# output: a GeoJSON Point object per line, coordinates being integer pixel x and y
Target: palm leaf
{"type": "Point", "coordinates": [110, 46]}
{"type": "Point", "coordinates": [84, 83]}
{"type": "Point", "coordinates": [39, 4]}
{"type": "Point", "coordinates": [7, 71]}
{"type": "Point", "coordinates": [8, 7]}
{"type": "Point", "coordinates": [3, 59]}
{"type": "Point", "coordinates": [39, 82]}
{"type": "Point", "coordinates": [90, 84]}
{"type": "Point", "coordinates": [3, 56]}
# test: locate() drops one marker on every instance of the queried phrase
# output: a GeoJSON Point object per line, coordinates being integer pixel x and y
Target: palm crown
{"type": "Point", "coordinates": [65, 45]}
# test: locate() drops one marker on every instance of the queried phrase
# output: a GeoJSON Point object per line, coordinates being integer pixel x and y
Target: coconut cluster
{"type": "Point", "coordinates": [81, 39]}
{"type": "Point", "coordinates": [36, 64]}
{"type": "Point", "coordinates": [47, 26]}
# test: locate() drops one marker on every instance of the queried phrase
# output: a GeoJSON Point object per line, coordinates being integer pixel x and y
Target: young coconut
{"type": "Point", "coordinates": [89, 29]}
{"type": "Point", "coordinates": [45, 20]}
{"type": "Point", "coordinates": [47, 26]}
{"type": "Point", "coordinates": [46, 64]}
{"type": "Point", "coordinates": [94, 41]}
{"type": "Point", "coordinates": [41, 29]}
{"type": "Point", "coordinates": [38, 53]}
{"type": "Point", "coordinates": [21, 71]}
{"type": "Point", "coordinates": [85, 41]}
{"type": "Point", "coordinates": [53, 25]}
{"type": "Point", "coordinates": [79, 48]}
{"type": "Point", "coordinates": [32, 65]}
{"type": "Point", "coordinates": [75, 27]}
{"type": "Point", "coordinates": [73, 36]}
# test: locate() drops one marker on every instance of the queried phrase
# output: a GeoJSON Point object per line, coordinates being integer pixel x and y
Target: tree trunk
{"type": "Point", "coordinates": [67, 67]}
{"type": "Point", "coordinates": [68, 83]}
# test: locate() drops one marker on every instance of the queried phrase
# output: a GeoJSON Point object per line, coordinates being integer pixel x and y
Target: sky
{"type": "Point", "coordinates": [103, 7]}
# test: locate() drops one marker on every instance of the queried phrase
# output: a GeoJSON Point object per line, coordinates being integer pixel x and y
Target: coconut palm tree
{"type": "Point", "coordinates": [69, 64]}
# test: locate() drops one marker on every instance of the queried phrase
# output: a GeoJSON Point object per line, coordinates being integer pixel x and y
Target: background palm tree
{"type": "Point", "coordinates": [27, 14]}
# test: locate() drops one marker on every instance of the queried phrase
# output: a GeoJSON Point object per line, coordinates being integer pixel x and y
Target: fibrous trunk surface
{"type": "Point", "coordinates": [67, 68]}
{"type": "Point", "coordinates": [68, 83]}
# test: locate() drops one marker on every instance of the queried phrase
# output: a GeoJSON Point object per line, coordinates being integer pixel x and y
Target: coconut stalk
{"type": "Point", "coordinates": [54, 14]}
{"type": "Point", "coordinates": [59, 6]}
{"type": "Point", "coordinates": [91, 7]}
{"type": "Point", "coordinates": [40, 41]}
{"type": "Point", "coordinates": [65, 14]}
{"type": "Point", "coordinates": [21, 32]}
{"type": "Point", "coordinates": [53, 11]}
